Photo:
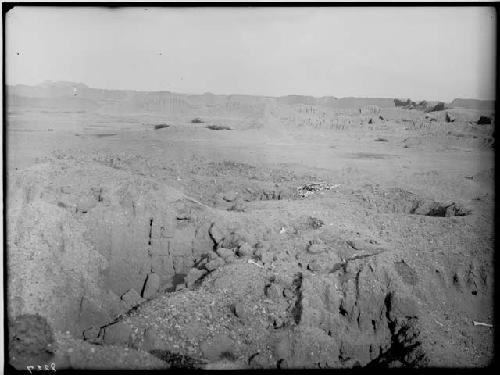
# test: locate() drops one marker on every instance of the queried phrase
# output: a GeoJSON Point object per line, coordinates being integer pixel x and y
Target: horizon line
{"type": "Point", "coordinates": [254, 95]}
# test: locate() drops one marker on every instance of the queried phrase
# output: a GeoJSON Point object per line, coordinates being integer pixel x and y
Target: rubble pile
{"type": "Point", "coordinates": [314, 187]}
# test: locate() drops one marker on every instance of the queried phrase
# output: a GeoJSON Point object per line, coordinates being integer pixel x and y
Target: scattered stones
{"type": "Point", "coordinates": [318, 265]}
{"type": "Point", "coordinates": [450, 117]}
{"type": "Point", "coordinates": [233, 240]}
{"type": "Point", "coordinates": [174, 360]}
{"type": "Point", "coordinates": [215, 348]}
{"type": "Point", "coordinates": [225, 253]}
{"type": "Point", "coordinates": [151, 286]}
{"type": "Point", "coordinates": [117, 334]}
{"type": "Point", "coordinates": [240, 311]}
{"type": "Point", "coordinates": [230, 196]}
{"type": "Point", "coordinates": [91, 333]}
{"type": "Point", "coordinates": [131, 299]}
{"type": "Point", "coordinates": [308, 189]}
{"type": "Point", "coordinates": [274, 291]}
{"type": "Point", "coordinates": [194, 275]}
{"type": "Point", "coordinates": [439, 209]}
{"type": "Point", "coordinates": [314, 223]}
{"type": "Point", "coordinates": [245, 250]}
{"type": "Point", "coordinates": [214, 264]}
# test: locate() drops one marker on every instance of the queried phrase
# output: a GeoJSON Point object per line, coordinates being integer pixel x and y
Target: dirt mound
{"type": "Point", "coordinates": [92, 234]}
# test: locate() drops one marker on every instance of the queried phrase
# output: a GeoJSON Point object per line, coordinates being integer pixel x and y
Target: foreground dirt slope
{"type": "Point", "coordinates": [321, 238]}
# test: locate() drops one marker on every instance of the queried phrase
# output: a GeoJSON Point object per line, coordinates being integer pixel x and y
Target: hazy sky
{"type": "Point", "coordinates": [422, 53]}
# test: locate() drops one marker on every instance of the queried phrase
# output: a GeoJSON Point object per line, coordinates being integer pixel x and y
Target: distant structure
{"type": "Point", "coordinates": [75, 92]}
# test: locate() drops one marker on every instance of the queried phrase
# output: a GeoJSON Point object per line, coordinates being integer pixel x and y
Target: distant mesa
{"type": "Point", "coordinates": [473, 104]}
{"type": "Point", "coordinates": [74, 96]}
{"type": "Point", "coordinates": [62, 84]}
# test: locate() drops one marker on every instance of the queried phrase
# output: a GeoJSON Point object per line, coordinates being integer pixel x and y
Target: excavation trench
{"type": "Point", "coordinates": [98, 246]}
{"type": "Point", "coordinates": [103, 247]}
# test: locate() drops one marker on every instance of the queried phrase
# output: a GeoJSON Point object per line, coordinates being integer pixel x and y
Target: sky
{"type": "Point", "coordinates": [432, 53]}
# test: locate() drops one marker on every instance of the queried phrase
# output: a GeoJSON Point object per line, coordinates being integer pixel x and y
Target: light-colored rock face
{"type": "Point", "coordinates": [75, 253]}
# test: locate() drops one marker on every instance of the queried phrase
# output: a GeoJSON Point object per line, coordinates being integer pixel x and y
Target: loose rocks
{"type": "Point", "coordinates": [245, 250]}
{"type": "Point", "coordinates": [131, 299]}
{"type": "Point", "coordinates": [214, 264]}
{"type": "Point", "coordinates": [91, 333]}
{"type": "Point", "coordinates": [230, 196]}
{"type": "Point", "coordinates": [225, 253]}
{"type": "Point", "coordinates": [240, 311]}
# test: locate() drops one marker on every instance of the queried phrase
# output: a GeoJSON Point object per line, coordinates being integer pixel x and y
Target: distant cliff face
{"type": "Point", "coordinates": [66, 96]}
{"type": "Point", "coordinates": [77, 96]}
{"type": "Point", "coordinates": [474, 104]}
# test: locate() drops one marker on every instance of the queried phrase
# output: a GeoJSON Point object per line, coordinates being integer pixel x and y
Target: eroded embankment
{"type": "Point", "coordinates": [119, 259]}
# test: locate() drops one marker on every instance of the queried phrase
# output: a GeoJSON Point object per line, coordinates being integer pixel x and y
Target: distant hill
{"type": "Point", "coordinates": [473, 104]}
{"type": "Point", "coordinates": [352, 102]}
{"type": "Point", "coordinates": [63, 95]}
{"type": "Point", "coordinates": [297, 99]}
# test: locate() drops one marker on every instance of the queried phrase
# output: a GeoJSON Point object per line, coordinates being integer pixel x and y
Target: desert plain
{"type": "Point", "coordinates": [150, 230]}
